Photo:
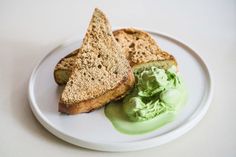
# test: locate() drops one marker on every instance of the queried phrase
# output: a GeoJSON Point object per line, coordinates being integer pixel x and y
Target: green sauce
{"type": "Point", "coordinates": [156, 99]}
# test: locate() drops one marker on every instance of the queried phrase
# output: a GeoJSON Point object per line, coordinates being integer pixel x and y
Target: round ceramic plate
{"type": "Point", "coordinates": [93, 130]}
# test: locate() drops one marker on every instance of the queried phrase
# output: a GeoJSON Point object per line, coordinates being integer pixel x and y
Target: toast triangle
{"type": "Point", "coordinates": [101, 72]}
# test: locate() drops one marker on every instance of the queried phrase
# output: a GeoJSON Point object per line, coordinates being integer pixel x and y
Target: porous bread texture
{"type": "Point", "coordinates": [139, 47]}
{"type": "Point", "coordinates": [99, 67]}
{"type": "Point", "coordinates": [68, 61]}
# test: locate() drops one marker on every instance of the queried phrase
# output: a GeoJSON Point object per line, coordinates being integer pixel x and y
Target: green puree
{"type": "Point", "coordinates": [155, 101]}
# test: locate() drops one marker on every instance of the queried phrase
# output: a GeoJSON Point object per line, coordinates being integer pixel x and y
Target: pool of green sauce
{"type": "Point", "coordinates": [121, 122]}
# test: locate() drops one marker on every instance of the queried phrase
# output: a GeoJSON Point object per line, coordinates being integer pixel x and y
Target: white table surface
{"type": "Point", "coordinates": [30, 29]}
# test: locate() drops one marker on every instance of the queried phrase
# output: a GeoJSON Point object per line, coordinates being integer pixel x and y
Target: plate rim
{"type": "Point", "coordinates": [192, 121]}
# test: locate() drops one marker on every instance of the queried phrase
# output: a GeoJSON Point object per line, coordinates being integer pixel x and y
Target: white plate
{"type": "Point", "coordinates": [93, 130]}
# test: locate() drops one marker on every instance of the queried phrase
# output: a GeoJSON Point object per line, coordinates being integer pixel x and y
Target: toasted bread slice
{"type": "Point", "coordinates": [138, 46]}
{"type": "Point", "coordinates": [101, 72]}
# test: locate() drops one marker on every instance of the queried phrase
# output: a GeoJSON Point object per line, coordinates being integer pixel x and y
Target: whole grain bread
{"type": "Point", "coordinates": [138, 46]}
{"type": "Point", "coordinates": [101, 72]}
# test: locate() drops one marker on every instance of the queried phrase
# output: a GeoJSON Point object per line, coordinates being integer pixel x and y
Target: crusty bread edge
{"type": "Point", "coordinates": [134, 30]}
{"type": "Point", "coordinates": [85, 106]}
{"type": "Point", "coordinates": [152, 63]}
{"type": "Point", "coordinates": [135, 66]}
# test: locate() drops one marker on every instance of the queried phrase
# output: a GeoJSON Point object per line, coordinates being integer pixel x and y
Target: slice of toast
{"type": "Point", "coordinates": [138, 46]}
{"type": "Point", "coordinates": [100, 74]}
